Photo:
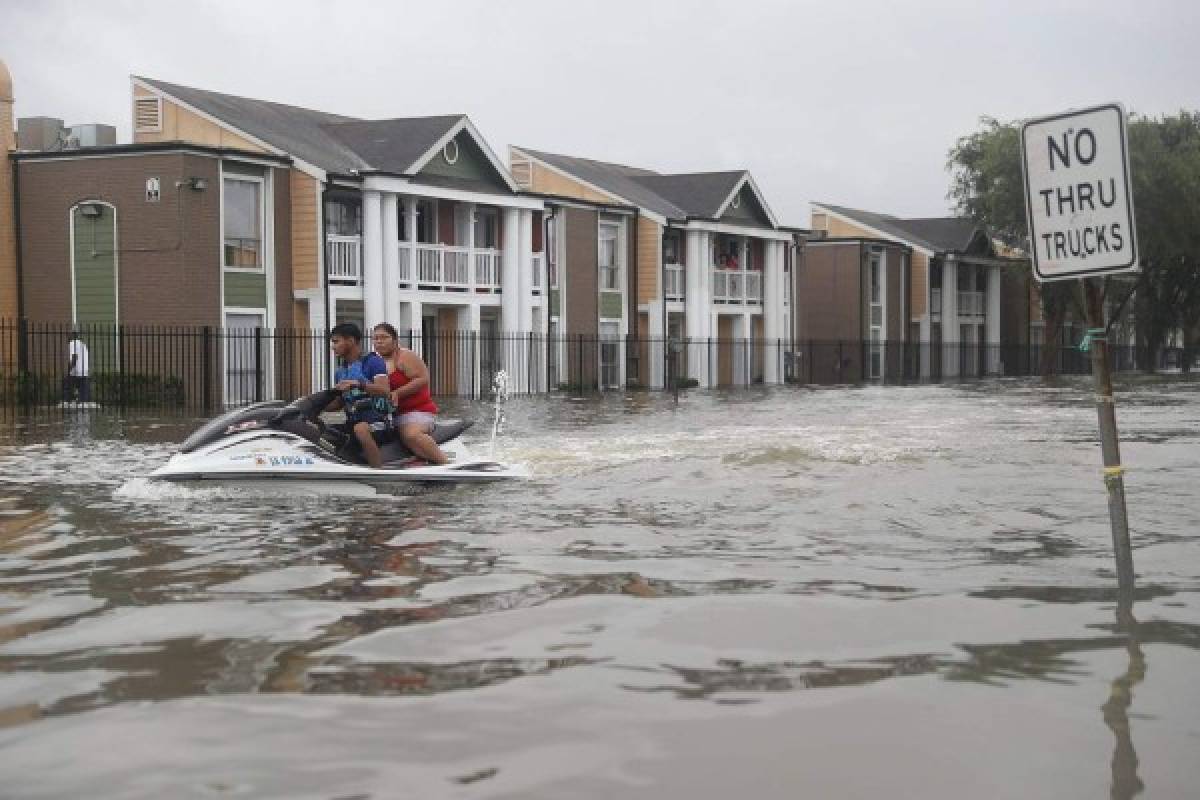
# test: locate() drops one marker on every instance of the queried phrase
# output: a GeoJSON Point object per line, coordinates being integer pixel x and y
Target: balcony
{"type": "Point", "coordinates": [343, 259]}
{"type": "Point", "coordinates": [674, 283]}
{"type": "Point", "coordinates": [448, 268]}
{"type": "Point", "coordinates": [971, 304]}
{"type": "Point", "coordinates": [740, 287]}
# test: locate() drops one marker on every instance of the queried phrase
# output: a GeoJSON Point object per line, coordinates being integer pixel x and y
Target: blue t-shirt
{"type": "Point", "coordinates": [359, 405]}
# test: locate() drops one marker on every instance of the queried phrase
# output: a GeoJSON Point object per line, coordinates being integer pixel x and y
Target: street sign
{"type": "Point", "coordinates": [1078, 198]}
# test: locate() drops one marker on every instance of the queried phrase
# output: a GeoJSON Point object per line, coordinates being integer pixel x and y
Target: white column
{"type": "Point", "coordinates": [318, 322]}
{"type": "Point", "coordinates": [525, 271]}
{"type": "Point", "coordinates": [415, 322]}
{"type": "Point", "coordinates": [950, 331]}
{"type": "Point", "coordinates": [995, 366]}
{"type": "Point", "coordinates": [923, 345]}
{"type": "Point", "coordinates": [656, 344]}
{"type": "Point", "coordinates": [510, 284]}
{"type": "Point", "coordinates": [772, 310]}
{"type": "Point", "coordinates": [372, 255]}
{"type": "Point", "coordinates": [695, 308]}
{"type": "Point", "coordinates": [391, 257]}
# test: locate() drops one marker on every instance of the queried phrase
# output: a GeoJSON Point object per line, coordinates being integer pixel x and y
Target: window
{"type": "Point", "coordinates": [343, 217]}
{"type": "Point", "coordinates": [552, 251]}
{"type": "Point", "coordinates": [610, 354]}
{"type": "Point", "coordinates": [874, 278]}
{"type": "Point", "coordinates": [450, 151]}
{"type": "Point", "coordinates": [609, 269]}
{"type": "Point", "coordinates": [875, 288]}
{"type": "Point", "coordinates": [486, 226]}
{"type": "Point", "coordinates": [671, 248]}
{"type": "Point", "coordinates": [242, 216]}
{"type": "Point", "coordinates": [426, 222]}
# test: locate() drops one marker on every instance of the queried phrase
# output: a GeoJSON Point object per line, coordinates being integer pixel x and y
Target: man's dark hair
{"type": "Point", "coordinates": [348, 330]}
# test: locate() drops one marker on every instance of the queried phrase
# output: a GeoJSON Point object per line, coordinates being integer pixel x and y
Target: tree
{"type": "Point", "coordinates": [986, 184]}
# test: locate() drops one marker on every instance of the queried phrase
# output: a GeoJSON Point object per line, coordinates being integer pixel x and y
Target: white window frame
{"type": "Point", "coordinates": [268, 376]}
{"type": "Point", "coordinates": [262, 220]}
{"type": "Point", "coordinates": [613, 271]}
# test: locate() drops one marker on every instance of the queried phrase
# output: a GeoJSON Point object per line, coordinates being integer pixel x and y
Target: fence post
{"type": "Point", "coordinates": [206, 368]}
{"type": "Point", "coordinates": [259, 378]}
{"type": "Point", "coordinates": [121, 380]}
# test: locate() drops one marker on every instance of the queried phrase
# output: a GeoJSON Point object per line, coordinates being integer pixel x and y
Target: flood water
{"type": "Point", "coordinates": [875, 592]}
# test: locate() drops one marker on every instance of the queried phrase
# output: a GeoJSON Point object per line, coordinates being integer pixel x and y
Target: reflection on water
{"type": "Point", "coordinates": [891, 581]}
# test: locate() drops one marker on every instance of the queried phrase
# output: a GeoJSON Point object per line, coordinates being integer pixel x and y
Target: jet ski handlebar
{"type": "Point", "coordinates": [308, 406]}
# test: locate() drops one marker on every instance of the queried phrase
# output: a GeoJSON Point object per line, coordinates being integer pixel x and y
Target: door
{"type": "Point", "coordinates": [245, 359]}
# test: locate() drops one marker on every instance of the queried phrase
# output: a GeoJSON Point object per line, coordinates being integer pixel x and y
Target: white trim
{"type": "Point", "coordinates": [734, 230]}
{"type": "Point", "coordinates": [881, 234]}
{"type": "Point", "coordinates": [115, 255]}
{"type": "Point", "coordinates": [464, 123]}
{"type": "Point", "coordinates": [748, 180]}
{"type": "Point", "coordinates": [299, 163]}
{"type": "Point", "coordinates": [231, 154]}
{"type": "Point", "coordinates": [391, 183]}
{"type": "Point", "coordinates": [645, 212]}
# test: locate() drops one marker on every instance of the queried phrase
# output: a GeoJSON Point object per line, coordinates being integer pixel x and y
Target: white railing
{"type": "Point", "coordinates": [674, 282]}
{"type": "Point", "coordinates": [405, 263]}
{"type": "Point", "coordinates": [343, 258]}
{"type": "Point", "coordinates": [487, 269]}
{"type": "Point", "coordinates": [536, 265]}
{"type": "Point", "coordinates": [754, 287]}
{"type": "Point", "coordinates": [737, 286]}
{"type": "Point", "coordinates": [970, 304]}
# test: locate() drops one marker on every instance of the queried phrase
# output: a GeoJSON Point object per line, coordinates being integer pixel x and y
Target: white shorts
{"type": "Point", "coordinates": [421, 418]}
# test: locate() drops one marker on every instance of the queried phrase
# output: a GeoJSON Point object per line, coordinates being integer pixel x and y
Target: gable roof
{"type": "Point", "coordinates": [679, 196]}
{"type": "Point", "coordinates": [935, 234]}
{"type": "Point", "coordinates": [332, 142]}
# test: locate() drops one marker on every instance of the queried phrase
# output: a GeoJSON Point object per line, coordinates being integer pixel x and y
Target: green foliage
{"type": "Point", "coordinates": [108, 389]}
{"type": "Point", "coordinates": [986, 185]}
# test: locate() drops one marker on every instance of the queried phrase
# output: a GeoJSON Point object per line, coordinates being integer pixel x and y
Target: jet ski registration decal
{"type": "Point", "coordinates": [284, 461]}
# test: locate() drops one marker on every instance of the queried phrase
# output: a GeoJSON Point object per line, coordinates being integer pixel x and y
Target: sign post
{"type": "Point", "coordinates": [1079, 203]}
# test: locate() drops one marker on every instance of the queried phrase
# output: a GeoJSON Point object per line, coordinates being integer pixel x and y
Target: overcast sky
{"type": "Point", "coordinates": [855, 103]}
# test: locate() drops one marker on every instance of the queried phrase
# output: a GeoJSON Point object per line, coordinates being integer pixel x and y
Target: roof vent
{"type": "Point", "coordinates": [147, 114]}
{"type": "Point", "coordinates": [522, 172]}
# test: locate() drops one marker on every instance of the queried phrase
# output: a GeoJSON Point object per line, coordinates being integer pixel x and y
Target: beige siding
{"type": "Point", "coordinates": [649, 259]}
{"type": "Point", "coordinates": [181, 125]}
{"type": "Point", "coordinates": [306, 235]}
{"type": "Point", "coordinates": [549, 182]}
{"type": "Point", "coordinates": [839, 227]}
{"type": "Point", "coordinates": [920, 283]}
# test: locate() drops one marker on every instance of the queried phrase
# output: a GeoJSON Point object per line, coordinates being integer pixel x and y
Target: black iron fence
{"type": "Point", "coordinates": [204, 368]}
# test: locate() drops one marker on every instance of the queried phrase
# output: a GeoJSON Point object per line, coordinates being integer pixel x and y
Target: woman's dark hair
{"type": "Point", "coordinates": [347, 329]}
{"type": "Point", "coordinates": [387, 328]}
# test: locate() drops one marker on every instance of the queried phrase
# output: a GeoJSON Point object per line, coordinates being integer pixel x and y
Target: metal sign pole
{"type": "Point", "coordinates": [1114, 473]}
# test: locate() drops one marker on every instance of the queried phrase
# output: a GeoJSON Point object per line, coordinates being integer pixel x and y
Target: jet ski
{"type": "Point", "coordinates": [279, 442]}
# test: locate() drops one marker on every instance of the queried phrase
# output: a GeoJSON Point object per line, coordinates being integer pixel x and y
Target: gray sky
{"type": "Point", "coordinates": [855, 103]}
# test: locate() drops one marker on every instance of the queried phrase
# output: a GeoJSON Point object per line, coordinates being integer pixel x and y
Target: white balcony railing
{"type": "Point", "coordinates": [737, 286]}
{"type": "Point", "coordinates": [435, 267]}
{"type": "Point", "coordinates": [674, 282]}
{"type": "Point", "coordinates": [537, 266]}
{"type": "Point", "coordinates": [343, 259]}
{"type": "Point", "coordinates": [971, 304]}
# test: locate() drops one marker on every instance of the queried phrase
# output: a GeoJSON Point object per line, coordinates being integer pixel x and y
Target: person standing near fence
{"type": "Point", "coordinates": [77, 383]}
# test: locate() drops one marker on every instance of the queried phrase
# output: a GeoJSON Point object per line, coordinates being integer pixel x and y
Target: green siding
{"type": "Point", "coordinates": [472, 165]}
{"type": "Point", "coordinates": [611, 305]}
{"type": "Point", "coordinates": [95, 262]}
{"type": "Point", "coordinates": [748, 209]}
{"type": "Point", "coordinates": [554, 302]}
{"type": "Point", "coordinates": [245, 290]}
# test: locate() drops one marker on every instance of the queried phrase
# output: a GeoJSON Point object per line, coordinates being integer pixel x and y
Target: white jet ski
{"type": "Point", "coordinates": [274, 442]}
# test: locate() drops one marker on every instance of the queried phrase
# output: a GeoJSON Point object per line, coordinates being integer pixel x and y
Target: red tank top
{"type": "Point", "coordinates": [418, 401]}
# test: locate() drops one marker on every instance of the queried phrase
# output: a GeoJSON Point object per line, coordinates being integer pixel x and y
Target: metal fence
{"type": "Point", "coordinates": [204, 368]}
